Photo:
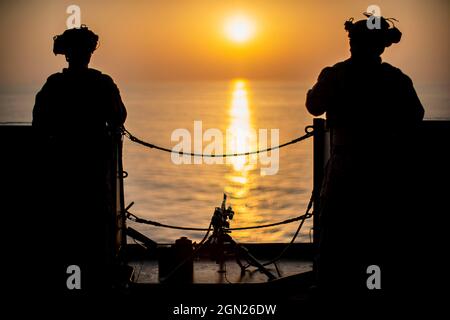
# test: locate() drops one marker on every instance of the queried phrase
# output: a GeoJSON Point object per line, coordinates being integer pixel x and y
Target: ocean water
{"type": "Point", "coordinates": [186, 194]}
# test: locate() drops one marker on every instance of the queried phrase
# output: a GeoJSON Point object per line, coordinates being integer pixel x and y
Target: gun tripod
{"type": "Point", "coordinates": [220, 241]}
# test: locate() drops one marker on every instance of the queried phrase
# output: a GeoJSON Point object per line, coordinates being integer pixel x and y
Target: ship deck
{"type": "Point", "coordinates": [296, 260]}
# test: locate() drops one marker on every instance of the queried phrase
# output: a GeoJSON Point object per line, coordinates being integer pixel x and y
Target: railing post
{"type": "Point", "coordinates": [319, 145]}
{"type": "Point", "coordinates": [120, 219]}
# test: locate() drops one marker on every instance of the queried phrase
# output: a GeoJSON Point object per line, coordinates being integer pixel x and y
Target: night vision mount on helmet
{"type": "Point", "coordinates": [387, 31]}
{"type": "Point", "coordinates": [76, 39]}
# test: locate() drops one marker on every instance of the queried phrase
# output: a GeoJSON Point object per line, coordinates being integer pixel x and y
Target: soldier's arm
{"type": "Point", "coordinates": [119, 110]}
{"type": "Point", "coordinates": [116, 113]}
{"type": "Point", "coordinates": [319, 98]}
{"type": "Point", "coordinates": [415, 111]}
{"type": "Point", "coordinates": [41, 109]}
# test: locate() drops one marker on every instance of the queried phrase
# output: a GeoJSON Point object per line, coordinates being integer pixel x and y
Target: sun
{"type": "Point", "coordinates": [239, 28]}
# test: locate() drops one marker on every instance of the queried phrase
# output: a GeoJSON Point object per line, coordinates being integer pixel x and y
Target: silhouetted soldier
{"type": "Point", "coordinates": [370, 107]}
{"type": "Point", "coordinates": [76, 117]}
{"type": "Point", "coordinates": [78, 99]}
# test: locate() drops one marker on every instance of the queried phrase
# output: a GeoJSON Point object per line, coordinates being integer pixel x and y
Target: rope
{"type": "Point", "coordinates": [279, 256]}
{"type": "Point", "coordinates": [274, 260]}
{"type": "Point", "coordinates": [136, 219]}
{"type": "Point", "coordinates": [309, 132]}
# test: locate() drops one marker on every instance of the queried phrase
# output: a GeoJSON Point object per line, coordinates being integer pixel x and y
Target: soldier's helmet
{"type": "Point", "coordinates": [75, 40]}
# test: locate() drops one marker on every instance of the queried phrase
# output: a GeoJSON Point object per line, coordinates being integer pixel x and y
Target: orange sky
{"type": "Point", "coordinates": [184, 40]}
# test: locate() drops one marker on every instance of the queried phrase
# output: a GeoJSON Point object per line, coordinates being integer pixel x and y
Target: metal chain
{"type": "Point", "coordinates": [302, 217]}
{"type": "Point", "coordinates": [309, 132]}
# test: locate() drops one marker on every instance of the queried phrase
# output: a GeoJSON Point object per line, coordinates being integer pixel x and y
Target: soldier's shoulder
{"type": "Point", "coordinates": [341, 64]}
{"type": "Point", "coordinates": [394, 71]}
{"type": "Point", "coordinates": [337, 67]}
{"type": "Point", "coordinates": [54, 81]}
{"type": "Point", "coordinates": [102, 77]}
{"type": "Point", "coordinates": [330, 72]}
{"type": "Point", "coordinates": [55, 77]}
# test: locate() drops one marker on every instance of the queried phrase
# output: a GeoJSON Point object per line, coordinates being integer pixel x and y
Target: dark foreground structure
{"type": "Point", "coordinates": [38, 244]}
